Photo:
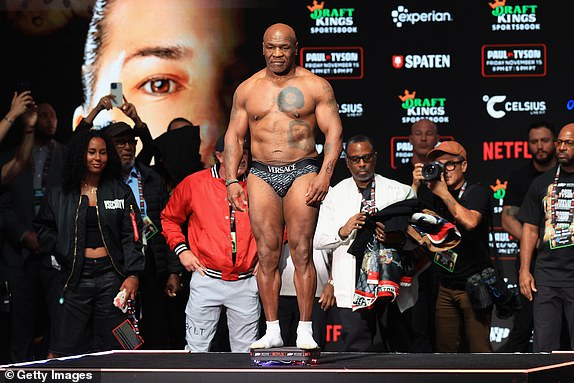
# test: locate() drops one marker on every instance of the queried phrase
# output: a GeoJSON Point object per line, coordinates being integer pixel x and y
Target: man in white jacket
{"type": "Point", "coordinates": [342, 213]}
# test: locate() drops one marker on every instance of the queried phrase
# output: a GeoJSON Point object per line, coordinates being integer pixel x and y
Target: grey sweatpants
{"type": "Point", "coordinates": [207, 295]}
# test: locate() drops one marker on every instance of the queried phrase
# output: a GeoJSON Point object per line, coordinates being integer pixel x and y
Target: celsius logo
{"type": "Point", "coordinates": [417, 108]}
{"type": "Point", "coordinates": [436, 61]}
{"type": "Point", "coordinates": [513, 17]}
{"type": "Point", "coordinates": [351, 110]}
{"type": "Point", "coordinates": [402, 15]}
{"type": "Point", "coordinates": [327, 20]}
{"type": "Point", "coordinates": [497, 106]}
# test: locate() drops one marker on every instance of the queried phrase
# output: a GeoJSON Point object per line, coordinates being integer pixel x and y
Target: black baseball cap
{"type": "Point", "coordinates": [119, 129]}
{"type": "Point", "coordinates": [220, 144]}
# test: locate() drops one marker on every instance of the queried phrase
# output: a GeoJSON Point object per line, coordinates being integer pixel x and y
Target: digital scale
{"type": "Point", "coordinates": [284, 356]}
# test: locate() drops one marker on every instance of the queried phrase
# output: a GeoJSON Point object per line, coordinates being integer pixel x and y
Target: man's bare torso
{"type": "Point", "coordinates": [281, 117]}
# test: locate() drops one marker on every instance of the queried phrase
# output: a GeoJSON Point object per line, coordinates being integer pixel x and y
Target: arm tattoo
{"type": "Point", "coordinates": [331, 101]}
{"type": "Point", "coordinates": [512, 210]}
{"type": "Point", "coordinates": [450, 201]}
{"type": "Point", "coordinates": [330, 167]}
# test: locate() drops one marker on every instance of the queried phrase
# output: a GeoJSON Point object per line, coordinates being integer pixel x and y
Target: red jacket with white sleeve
{"type": "Point", "coordinates": [202, 197]}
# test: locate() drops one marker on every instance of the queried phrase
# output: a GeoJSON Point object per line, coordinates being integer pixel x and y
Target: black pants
{"type": "Point", "coordinates": [85, 320]}
{"type": "Point", "coordinates": [520, 336]}
{"type": "Point", "coordinates": [162, 323]}
{"type": "Point", "coordinates": [422, 314]}
{"type": "Point", "coordinates": [33, 290]}
{"type": "Point", "coordinates": [359, 328]}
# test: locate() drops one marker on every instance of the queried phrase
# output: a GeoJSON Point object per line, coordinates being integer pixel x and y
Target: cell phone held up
{"type": "Point", "coordinates": [117, 93]}
{"type": "Point", "coordinates": [22, 86]}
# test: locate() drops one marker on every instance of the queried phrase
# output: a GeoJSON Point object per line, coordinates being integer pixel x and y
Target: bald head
{"type": "Point", "coordinates": [279, 49]}
{"type": "Point", "coordinates": [281, 30]}
{"type": "Point", "coordinates": [424, 136]}
{"type": "Point", "coordinates": [568, 128]}
{"type": "Point", "coordinates": [565, 147]}
{"type": "Point", "coordinates": [424, 124]}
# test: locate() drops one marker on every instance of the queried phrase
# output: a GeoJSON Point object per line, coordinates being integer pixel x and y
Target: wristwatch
{"type": "Point", "coordinates": [230, 182]}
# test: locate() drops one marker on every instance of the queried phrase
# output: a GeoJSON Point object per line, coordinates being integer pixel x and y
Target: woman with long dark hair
{"type": "Point", "coordinates": [92, 226]}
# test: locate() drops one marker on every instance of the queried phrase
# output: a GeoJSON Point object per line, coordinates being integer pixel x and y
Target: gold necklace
{"type": "Point", "coordinates": [90, 189]}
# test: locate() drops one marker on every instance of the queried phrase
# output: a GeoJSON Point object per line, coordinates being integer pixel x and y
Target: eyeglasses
{"type": "Point", "coordinates": [568, 143]}
{"type": "Point", "coordinates": [369, 157]}
{"type": "Point", "coordinates": [451, 165]}
{"type": "Point", "coordinates": [122, 142]}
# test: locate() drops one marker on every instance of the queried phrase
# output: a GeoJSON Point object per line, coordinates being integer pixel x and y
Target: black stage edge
{"type": "Point", "coordinates": [182, 366]}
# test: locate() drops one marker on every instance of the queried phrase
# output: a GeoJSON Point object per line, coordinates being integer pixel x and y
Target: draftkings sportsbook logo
{"type": "Point", "coordinates": [498, 106]}
{"type": "Point", "coordinates": [402, 16]}
{"type": "Point", "coordinates": [514, 17]}
{"type": "Point", "coordinates": [498, 193]}
{"type": "Point", "coordinates": [331, 20]}
{"type": "Point", "coordinates": [416, 108]}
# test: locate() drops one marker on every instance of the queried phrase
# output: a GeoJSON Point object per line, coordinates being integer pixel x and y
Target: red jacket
{"type": "Point", "coordinates": [202, 197]}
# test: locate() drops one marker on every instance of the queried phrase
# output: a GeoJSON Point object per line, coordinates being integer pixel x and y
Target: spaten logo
{"type": "Point", "coordinates": [429, 61]}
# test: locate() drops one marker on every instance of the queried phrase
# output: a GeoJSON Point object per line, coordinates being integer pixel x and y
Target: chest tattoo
{"type": "Point", "coordinates": [290, 99]}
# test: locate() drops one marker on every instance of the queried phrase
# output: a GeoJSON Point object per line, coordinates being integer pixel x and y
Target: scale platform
{"type": "Point", "coordinates": [284, 356]}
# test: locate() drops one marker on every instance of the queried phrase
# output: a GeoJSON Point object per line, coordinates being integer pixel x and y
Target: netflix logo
{"type": "Point", "coordinates": [505, 150]}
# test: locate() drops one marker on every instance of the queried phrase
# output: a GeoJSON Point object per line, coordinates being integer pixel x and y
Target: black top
{"type": "Point", "coordinates": [93, 235]}
{"type": "Point", "coordinates": [473, 249]}
{"type": "Point", "coordinates": [555, 267]}
{"type": "Point", "coordinates": [518, 184]}
{"type": "Point", "coordinates": [404, 173]}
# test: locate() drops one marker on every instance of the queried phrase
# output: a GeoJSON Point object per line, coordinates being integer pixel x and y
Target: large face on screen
{"type": "Point", "coordinates": [169, 56]}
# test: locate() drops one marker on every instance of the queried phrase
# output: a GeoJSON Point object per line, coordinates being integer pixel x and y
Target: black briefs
{"type": "Point", "coordinates": [282, 177]}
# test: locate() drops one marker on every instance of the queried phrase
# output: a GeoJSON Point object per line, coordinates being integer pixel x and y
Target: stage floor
{"type": "Point", "coordinates": [181, 366]}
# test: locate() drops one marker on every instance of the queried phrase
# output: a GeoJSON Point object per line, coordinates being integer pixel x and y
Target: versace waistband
{"type": "Point", "coordinates": [275, 169]}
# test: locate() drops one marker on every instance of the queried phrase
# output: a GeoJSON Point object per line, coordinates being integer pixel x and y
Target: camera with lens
{"type": "Point", "coordinates": [432, 171]}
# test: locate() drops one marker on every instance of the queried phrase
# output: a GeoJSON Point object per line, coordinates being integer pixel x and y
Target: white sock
{"type": "Point", "coordinates": [272, 337]}
{"type": "Point", "coordinates": [305, 336]}
{"type": "Point", "coordinates": [273, 326]}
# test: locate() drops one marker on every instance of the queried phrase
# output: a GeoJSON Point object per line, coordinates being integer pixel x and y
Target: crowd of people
{"type": "Point", "coordinates": [251, 248]}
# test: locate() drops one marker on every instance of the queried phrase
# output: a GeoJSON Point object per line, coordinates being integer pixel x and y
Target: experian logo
{"type": "Point", "coordinates": [401, 15]}
{"type": "Point", "coordinates": [499, 111]}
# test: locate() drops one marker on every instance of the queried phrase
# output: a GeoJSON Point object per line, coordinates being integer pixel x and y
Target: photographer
{"type": "Point", "coordinates": [442, 187]}
{"type": "Point", "coordinates": [420, 318]}
{"type": "Point", "coordinates": [22, 115]}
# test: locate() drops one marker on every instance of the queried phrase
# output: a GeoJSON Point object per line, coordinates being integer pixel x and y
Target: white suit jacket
{"type": "Point", "coordinates": [343, 201]}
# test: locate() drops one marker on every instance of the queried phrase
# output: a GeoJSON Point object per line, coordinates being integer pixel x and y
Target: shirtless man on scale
{"type": "Point", "coordinates": [281, 106]}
